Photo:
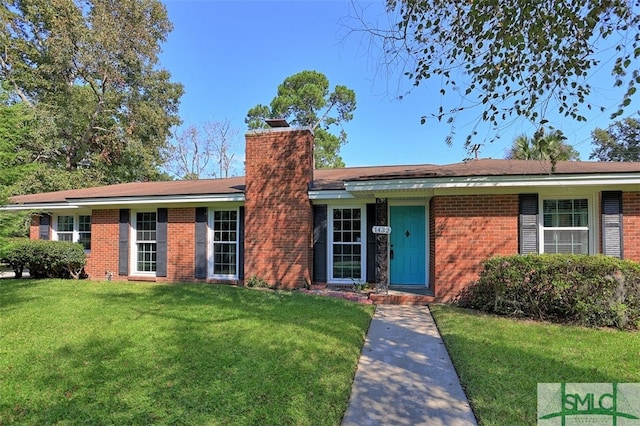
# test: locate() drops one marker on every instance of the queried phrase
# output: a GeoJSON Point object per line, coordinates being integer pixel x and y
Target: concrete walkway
{"type": "Point", "coordinates": [405, 375]}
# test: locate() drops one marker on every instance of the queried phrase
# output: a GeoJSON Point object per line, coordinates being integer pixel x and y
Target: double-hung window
{"type": "Point", "coordinates": [64, 228]}
{"type": "Point", "coordinates": [145, 242]}
{"type": "Point", "coordinates": [565, 225]}
{"type": "Point", "coordinates": [74, 228]}
{"type": "Point", "coordinates": [224, 230]}
{"type": "Point", "coordinates": [347, 244]}
{"type": "Point", "coordinates": [84, 231]}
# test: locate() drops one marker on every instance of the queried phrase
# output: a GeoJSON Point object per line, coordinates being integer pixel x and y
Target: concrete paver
{"type": "Point", "coordinates": [405, 375]}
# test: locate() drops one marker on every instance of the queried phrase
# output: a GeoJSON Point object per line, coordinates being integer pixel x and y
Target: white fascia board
{"type": "Point", "coordinates": [160, 200]}
{"type": "Point", "coordinates": [335, 194]}
{"type": "Point", "coordinates": [77, 203]}
{"type": "Point", "coordinates": [492, 182]}
{"type": "Point", "coordinates": [39, 207]}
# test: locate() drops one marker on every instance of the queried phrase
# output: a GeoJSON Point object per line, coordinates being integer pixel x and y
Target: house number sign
{"type": "Point", "coordinates": [381, 229]}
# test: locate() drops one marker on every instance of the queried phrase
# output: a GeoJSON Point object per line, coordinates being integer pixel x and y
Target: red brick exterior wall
{"type": "Point", "coordinates": [34, 228]}
{"type": "Point", "coordinates": [278, 215]}
{"type": "Point", "coordinates": [103, 258]}
{"type": "Point", "coordinates": [181, 251]}
{"type": "Point", "coordinates": [631, 225]}
{"type": "Point", "coordinates": [180, 245]}
{"type": "Point", "coordinates": [464, 231]}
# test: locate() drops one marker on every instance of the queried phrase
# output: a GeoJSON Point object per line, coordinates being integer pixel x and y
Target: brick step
{"type": "Point", "coordinates": [393, 298]}
{"type": "Point", "coordinates": [400, 299]}
{"type": "Point", "coordinates": [349, 295]}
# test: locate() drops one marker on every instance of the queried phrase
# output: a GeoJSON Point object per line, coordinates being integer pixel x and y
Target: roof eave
{"type": "Point", "coordinates": [159, 199]}
{"type": "Point", "coordinates": [333, 194]}
{"type": "Point", "coordinates": [492, 182]}
{"type": "Point", "coordinates": [75, 203]}
{"type": "Point", "coordinates": [38, 206]}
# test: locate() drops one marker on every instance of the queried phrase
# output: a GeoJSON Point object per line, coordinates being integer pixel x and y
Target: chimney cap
{"type": "Point", "coordinates": [276, 122]}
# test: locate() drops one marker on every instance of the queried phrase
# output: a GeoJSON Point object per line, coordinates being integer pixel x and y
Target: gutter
{"type": "Point", "coordinates": [492, 182]}
{"type": "Point", "coordinates": [76, 203]}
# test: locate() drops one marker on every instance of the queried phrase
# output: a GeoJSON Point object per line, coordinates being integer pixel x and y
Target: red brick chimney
{"type": "Point", "coordinates": [278, 216]}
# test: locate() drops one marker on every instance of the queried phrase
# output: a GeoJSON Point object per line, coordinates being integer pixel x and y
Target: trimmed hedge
{"type": "Point", "coordinates": [593, 291]}
{"type": "Point", "coordinates": [44, 259]}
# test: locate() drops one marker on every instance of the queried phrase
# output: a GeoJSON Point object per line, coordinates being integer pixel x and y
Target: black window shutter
{"type": "Point", "coordinates": [371, 243]}
{"type": "Point", "coordinates": [528, 237]}
{"type": "Point", "coordinates": [123, 242]}
{"type": "Point", "coordinates": [161, 242]}
{"type": "Point", "coordinates": [201, 243]}
{"type": "Point", "coordinates": [320, 243]}
{"type": "Point", "coordinates": [43, 229]}
{"type": "Point", "coordinates": [612, 244]}
{"type": "Point", "coordinates": [241, 244]}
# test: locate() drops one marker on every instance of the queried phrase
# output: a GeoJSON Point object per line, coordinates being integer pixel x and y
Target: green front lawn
{"type": "Point", "coordinates": [500, 361]}
{"type": "Point", "coordinates": [75, 352]}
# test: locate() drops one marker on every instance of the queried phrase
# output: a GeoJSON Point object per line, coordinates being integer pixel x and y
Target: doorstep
{"type": "Point", "coordinates": [400, 295]}
{"type": "Point", "coordinates": [404, 295]}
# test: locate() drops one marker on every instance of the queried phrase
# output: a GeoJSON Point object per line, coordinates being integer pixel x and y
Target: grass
{"type": "Point", "coordinates": [75, 352]}
{"type": "Point", "coordinates": [500, 361]}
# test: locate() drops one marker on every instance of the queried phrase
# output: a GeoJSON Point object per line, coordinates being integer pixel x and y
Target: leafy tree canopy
{"type": "Point", "coordinates": [513, 57]}
{"type": "Point", "coordinates": [619, 142]}
{"type": "Point", "coordinates": [88, 71]}
{"type": "Point", "coordinates": [15, 135]}
{"type": "Point", "coordinates": [304, 100]}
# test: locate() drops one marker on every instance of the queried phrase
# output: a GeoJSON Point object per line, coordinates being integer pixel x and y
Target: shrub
{"type": "Point", "coordinates": [587, 290]}
{"type": "Point", "coordinates": [45, 259]}
{"type": "Point", "coordinates": [15, 253]}
{"type": "Point", "coordinates": [255, 281]}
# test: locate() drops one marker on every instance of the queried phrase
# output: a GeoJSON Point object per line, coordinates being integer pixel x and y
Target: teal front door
{"type": "Point", "coordinates": [407, 256]}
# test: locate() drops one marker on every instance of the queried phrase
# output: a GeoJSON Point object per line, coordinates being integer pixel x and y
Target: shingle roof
{"type": "Point", "coordinates": [233, 185]}
{"type": "Point", "coordinates": [335, 178]}
{"type": "Point", "coordinates": [331, 179]}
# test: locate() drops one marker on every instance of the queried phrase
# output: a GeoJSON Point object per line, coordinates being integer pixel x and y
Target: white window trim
{"type": "Point", "coordinates": [330, 242]}
{"type": "Point", "coordinates": [210, 251]}
{"type": "Point", "coordinates": [76, 226]}
{"type": "Point", "coordinates": [56, 233]}
{"type": "Point", "coordinates": [592, 209]}
{"type": "Point", "coordinates": [133, 243]}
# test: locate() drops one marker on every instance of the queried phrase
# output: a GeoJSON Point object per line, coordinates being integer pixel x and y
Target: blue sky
{"type": "Point", "coordinates": [232, 55]}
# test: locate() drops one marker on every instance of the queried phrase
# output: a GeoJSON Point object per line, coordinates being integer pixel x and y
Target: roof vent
{"type": "Point", "coordinates": [276, 122]}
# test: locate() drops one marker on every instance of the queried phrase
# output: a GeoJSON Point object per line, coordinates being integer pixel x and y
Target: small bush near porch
{"type": "Point", "coordinates": [123, 353]}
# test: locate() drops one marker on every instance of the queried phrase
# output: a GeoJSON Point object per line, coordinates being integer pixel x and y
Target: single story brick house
{"type": "Point", "coordinates": [291, 225]}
